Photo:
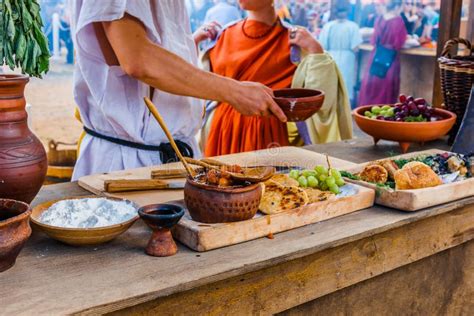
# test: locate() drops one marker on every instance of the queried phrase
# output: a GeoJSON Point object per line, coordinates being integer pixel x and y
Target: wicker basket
{"type": "Point", "coordinates": [457, 78]}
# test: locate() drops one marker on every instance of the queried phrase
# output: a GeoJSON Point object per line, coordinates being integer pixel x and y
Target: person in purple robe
{"type": "Point", "coordinates": [381, 83]}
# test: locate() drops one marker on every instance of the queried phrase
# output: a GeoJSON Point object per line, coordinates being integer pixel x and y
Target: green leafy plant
{"type": "Point", "coordinates": [22, 43]}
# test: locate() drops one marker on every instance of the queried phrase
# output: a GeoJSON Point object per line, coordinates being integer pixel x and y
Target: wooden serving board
{"type": "Point", "coordinates": [413, 200]}
{"type": "Point", "coordinates": [202, 237]}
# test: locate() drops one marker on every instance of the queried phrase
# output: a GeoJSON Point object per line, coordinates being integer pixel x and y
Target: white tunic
{"type": "Point", "coordinates": [111, 102]}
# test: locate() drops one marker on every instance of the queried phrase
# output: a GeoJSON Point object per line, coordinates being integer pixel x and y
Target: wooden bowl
{"type": "Point", "coordinates": [211, 204]}
{"type": "Point", "coordinates": [80, 236]}
{"type": "Point", "coordinates": [299, 104]}
{"type": "Point", "coordinates": [404, 132]}
{"type": "Point", "coordinates": [14, 230]}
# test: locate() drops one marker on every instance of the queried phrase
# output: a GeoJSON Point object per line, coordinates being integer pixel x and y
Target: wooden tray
{"type": "Point", "coordinates": [203, 237]}
{"type": "Point", "coordinates": [413, 200]}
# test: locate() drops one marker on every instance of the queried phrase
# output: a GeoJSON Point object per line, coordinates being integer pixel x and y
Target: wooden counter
{"type": "Point", "coordinates": [376, 260]}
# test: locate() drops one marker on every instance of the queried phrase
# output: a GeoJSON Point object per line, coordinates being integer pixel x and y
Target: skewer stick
{"type": "Point", "coordinates": [162, 123]}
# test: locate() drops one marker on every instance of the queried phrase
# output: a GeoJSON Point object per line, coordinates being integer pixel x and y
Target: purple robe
{"type": "Point", "coordinates": [392, 34]}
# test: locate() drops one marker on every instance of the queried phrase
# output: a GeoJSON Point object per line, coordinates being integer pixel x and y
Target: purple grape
{"type": "Point", "coordinates": [398, 119]}
{"type": "Point", "coordinates": [412, 106]}
{"type": "Point", "coordinates": [402, 98]}
{"type": "Point", "coordinates": [415, 112]}
{"type": "Point", "coordinates": [380, 117]}
{"type": "Point", "coordinates": [420, 101]}
{"type": "Point", "coordinates": [396, 110]}
{"type": "Point", "coordinates": [398, 105]}
{"type": "Point", "coordinates": [410, 99]}
{"type": "Point", "coordinates": [422, 108]}
{"type": "Point", "coordinates": [391, 119]}
{"type": "Point", "coordinates": [405, 108]}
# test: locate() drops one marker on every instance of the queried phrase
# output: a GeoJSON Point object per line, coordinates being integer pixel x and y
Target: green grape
{"type": "Point", "coordinates": [391, 112]}
{"type": "Point", "coordinates": [322, 177]}
{"type": "Point", "coordinates": [294, 174]}
{"type": "Point", "coordinates": [323, 186]}
{"type": "Point", "coordinates": [376, 109]}
{"type": "Point", "coordinates": [368, 113]}
{"type": "Point", "coordinates": [303, 181]}
{"type": "Point", "coordinates": [386, 107]}
{"type": "Point", "coordinates": [321, 170]}
{"type": "Point", "coordinates": [334, 189]}
{"type": "Point", "coordinates": [330, 181]}
{"type": "Point", "coordinates": [308, 173]}
{"type": "Point", "coordinates": [312, 181]}
{"type": "Point", "coordinates": [340, 182]}
{"type": "Point", "coordinates": [335, 173]}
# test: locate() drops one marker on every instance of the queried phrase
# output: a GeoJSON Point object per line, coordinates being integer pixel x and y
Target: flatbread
{"type": "Point", "coordinates": [315, 195]}
{"type": "Point", "coordinates": [285, 180]}
{"type": "Point", "coordinates": [278, 198]}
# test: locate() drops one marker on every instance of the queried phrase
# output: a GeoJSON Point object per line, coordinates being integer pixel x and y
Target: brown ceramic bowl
{"type": "Point", "coordinates": [80, 236]}
{"type": "Point", "coordinates": [404, 132]}
{"type": "Point", "coordinates": [299, 104]}
{"type": "Point", "coordinates": [14, 230]}
{"type": "Point", "coordinates": [211, 204]}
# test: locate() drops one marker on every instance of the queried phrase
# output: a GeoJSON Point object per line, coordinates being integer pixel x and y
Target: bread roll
{"type": "Point", "coordinates": [416, 175]}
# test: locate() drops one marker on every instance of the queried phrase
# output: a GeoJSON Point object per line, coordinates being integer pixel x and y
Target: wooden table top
{"type": "Point", "coordinates": [53, 278]}
{"type": "Point", "coordinates": [415, 51]}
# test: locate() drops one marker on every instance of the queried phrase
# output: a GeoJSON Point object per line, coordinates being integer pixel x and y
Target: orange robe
{"type": "Point", "coordinates": [265, 60]}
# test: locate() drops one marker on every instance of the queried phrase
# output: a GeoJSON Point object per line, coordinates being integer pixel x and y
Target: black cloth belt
{"type": "Point", "coordinates": [167, 153]}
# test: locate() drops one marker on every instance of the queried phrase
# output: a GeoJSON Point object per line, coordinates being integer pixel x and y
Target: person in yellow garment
{"type": "Point", "coordinates": [129, 49]}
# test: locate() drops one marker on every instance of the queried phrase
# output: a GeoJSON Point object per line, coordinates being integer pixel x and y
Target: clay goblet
{"type": "Point", "coordinates": [161, 218]}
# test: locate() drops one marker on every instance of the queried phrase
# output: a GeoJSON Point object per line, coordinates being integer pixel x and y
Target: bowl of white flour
{"type": "Point", "coordinates": [85, 220]}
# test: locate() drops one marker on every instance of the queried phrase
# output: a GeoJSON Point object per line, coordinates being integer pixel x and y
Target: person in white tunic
{"type": "Point", "coordinates": [341, 38]}
{"type": "Point", "coordinates": [129, 49]}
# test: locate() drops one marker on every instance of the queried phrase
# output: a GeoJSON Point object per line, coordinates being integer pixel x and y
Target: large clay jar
{"type": "Point", "coordinates": [14, 230]}
{"type": "Point", "coordinates": [23, 163]}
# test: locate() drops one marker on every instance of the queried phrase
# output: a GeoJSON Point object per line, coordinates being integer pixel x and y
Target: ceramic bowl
{"type": "Point", "coordinates": [299, 104]}
{"type": "Point", "coordinates": [14, 230]}
{"type": "Point", "coordinates": [404, 132]}
{"type": "Point", "coordinates": [80, 236]}
{"type": "Point", "coordinates": [212, 204]}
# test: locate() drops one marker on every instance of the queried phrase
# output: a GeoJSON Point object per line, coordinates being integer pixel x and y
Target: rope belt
{"type": "Point", "coordinates": [165, 150]}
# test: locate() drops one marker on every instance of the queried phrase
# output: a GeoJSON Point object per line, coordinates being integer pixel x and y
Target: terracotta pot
{"type": "Point", "coordinates": [23, 162]}
{"type": "Point", "coordinates": [404, 132]}
{"type": "Point", "coordinates": [211, 204]}
{"type": "Point", "coordinates": [299, 104]}
{"type": "Point", "coordinates": [14, 230]}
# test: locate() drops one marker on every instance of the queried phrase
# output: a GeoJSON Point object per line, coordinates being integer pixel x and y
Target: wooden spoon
{"type": "Point", "coordinates": [162, 123]}
{"type": "Point", "coordinates": [253, 175]}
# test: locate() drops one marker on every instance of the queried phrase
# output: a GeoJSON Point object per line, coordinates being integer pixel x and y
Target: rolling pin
{"type": "Point", "coordinates": [168, 174]}
{"type": "Point", "coordinates": [115, 186]}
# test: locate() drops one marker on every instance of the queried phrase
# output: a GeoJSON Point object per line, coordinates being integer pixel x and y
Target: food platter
{"type": "Point", "coordinates": [203, 236]}
{"type": "Point", "coordinates": [420, 198]}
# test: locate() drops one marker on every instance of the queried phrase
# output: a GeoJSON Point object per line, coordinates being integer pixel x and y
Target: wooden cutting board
{"type": "Point", "coordinates": [413, 200]}
{"type": "Point", "coordinates": [203, 237]}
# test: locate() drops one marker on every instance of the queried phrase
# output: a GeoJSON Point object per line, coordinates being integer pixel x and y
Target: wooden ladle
{"type": "Point", "coordinates": [162, 123]}
{"type": "Point", "coordinates": [252, 175]}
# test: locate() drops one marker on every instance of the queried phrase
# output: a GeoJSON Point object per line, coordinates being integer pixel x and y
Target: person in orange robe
{"type": "Point", "coordinates": [254, 49]}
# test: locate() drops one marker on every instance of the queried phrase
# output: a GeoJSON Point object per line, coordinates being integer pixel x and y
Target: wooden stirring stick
{"type": "Point", "coordinates": [162, 123]}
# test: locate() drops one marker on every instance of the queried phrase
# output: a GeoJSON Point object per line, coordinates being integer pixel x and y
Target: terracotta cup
{"type": "Point", "coordinates": [161, 218]}
{"type": "Point", "coordinates": [23, 162]}
{"type": "Point", "coordinates": [14, 230]}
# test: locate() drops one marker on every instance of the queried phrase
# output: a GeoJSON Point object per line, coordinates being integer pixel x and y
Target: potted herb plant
{"type": "Point", "coordinates": [23, 45]}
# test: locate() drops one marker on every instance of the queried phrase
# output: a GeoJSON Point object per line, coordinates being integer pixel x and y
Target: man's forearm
{"type": "Point", "coordinates": [168, 72]}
